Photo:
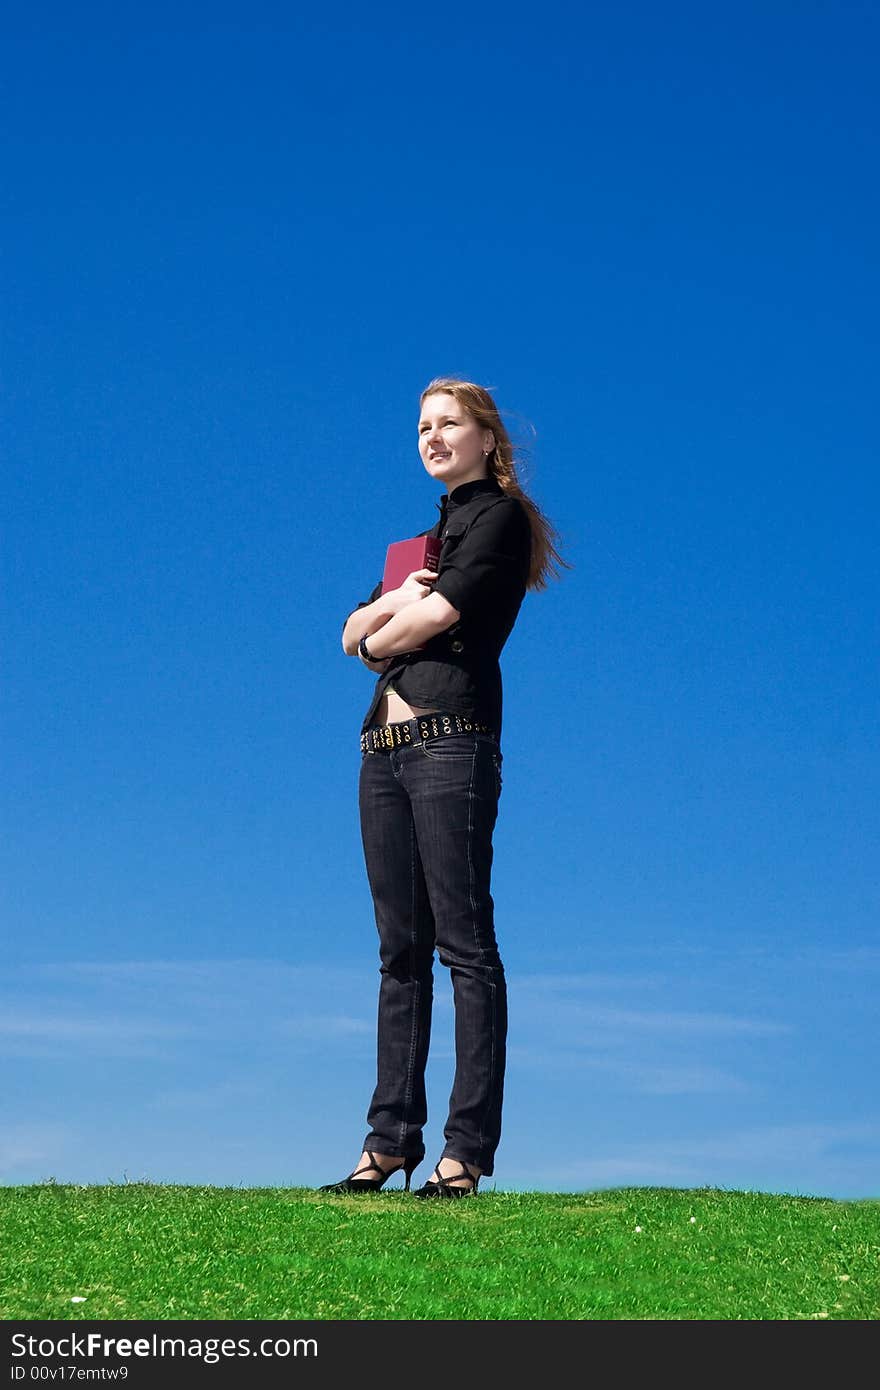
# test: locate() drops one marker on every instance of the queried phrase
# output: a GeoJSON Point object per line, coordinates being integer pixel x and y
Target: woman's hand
{"type": "Point", "coordinates": [377, 666]}
{"type": "Point", "coordinates": [416, 585]}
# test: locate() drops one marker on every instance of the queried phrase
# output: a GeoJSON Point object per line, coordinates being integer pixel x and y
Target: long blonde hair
{"type": "Point", "coordinates": [476, 400]}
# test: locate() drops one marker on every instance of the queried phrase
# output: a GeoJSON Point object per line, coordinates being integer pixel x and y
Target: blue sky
{"type": "Point", "coordinates": [237, 246]}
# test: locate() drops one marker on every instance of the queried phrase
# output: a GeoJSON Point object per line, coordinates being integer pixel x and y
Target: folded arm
{"type": "Point", "coordinates": [427, 613]}
{"type": "Point", "coordinates": [369, 617]}
{"type": "Point", "coordinates": [410, 627]}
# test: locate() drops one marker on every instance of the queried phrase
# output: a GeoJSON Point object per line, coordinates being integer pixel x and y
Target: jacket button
{"type": "Point", "coordinates": [457, 646]}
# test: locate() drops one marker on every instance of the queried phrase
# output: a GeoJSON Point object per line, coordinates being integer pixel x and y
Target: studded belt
{"type": "Point", "coordinates": [381, 738]}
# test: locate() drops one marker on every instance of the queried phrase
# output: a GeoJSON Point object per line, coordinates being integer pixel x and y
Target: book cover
{"type": "Point", "coordinates": [402, 557]}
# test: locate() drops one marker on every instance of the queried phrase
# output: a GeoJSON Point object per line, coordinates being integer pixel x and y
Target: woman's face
{"type": "Point", "coordinates": [451, 442]}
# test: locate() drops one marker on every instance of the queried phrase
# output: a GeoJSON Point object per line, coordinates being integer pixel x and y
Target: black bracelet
{"type": "Point", "coordinates": [364, 651]}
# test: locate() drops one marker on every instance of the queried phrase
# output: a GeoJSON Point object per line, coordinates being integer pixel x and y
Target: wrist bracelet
{"type": "Point", "coordinates": [365, 653]}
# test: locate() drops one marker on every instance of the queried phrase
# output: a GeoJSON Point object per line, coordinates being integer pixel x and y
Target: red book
{"type": "Point", "coordinates": [419, 553]}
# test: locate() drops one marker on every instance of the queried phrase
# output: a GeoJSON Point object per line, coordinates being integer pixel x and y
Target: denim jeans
{"type": "Point", "coordinates": [428, 812]}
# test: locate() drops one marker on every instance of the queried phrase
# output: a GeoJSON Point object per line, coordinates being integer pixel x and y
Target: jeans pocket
{"type": "Point", "coordinates": [444, 748]}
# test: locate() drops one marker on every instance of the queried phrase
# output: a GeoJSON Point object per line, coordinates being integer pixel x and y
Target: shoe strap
{"type": "Point", "coordinates": [447, 1181]}
{"type": "Point", "coordinates": [374, 1167]}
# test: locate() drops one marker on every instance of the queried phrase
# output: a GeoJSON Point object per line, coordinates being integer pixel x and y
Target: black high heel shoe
{"type": "Point", "coordinates": [355, 1183]}
{"type": "Point", "coordinates": [443, 1187]}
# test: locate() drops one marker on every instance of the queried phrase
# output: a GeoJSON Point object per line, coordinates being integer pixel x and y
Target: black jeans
{"type": "Point", "coordinates": [428, 811]}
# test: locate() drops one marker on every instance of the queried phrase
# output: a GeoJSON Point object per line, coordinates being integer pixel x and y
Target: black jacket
{"type": "Point", "coordinates": [483, 572]}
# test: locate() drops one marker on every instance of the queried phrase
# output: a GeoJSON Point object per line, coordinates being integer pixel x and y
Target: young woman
{"type": "Point", "coordinates": [430, 780]}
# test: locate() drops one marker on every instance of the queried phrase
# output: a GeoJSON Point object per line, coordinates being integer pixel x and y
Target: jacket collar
{"type": "Point", "coordinates": [462, 494]}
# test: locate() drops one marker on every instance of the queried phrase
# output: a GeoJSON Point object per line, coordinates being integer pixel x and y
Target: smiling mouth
{"type": "Point", "coordinates": [435, 457]}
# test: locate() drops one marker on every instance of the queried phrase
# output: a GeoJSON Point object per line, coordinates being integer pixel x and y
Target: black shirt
{"type": "Point", "coordinates": [483, 572]}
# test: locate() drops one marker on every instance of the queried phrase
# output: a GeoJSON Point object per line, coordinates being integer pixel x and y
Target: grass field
{"type": "Point", "coordinates": [148, 1251]}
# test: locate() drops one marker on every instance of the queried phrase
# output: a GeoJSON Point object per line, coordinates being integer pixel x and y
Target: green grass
{"type": "Point", "coordinates": [148, 1251]}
